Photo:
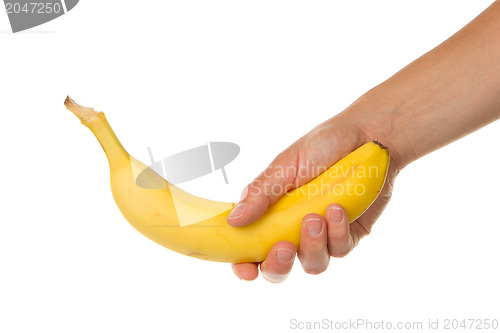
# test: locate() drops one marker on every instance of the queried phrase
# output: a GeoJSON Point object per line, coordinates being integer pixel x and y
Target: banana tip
{"type": "Point", "coordinates": [82, 112]}
{"type": "Point", "coordinates": [381, 145]}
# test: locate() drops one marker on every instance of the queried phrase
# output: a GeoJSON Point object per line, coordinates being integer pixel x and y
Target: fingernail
{"type": "Point", "coordinates": [237, 211]}
{"type": "Point", "coordinates": [336, 215]}
{"type": "Point", "coordinates": [314, 227]}
{"type": "Point", "coordinates": [284, 255]}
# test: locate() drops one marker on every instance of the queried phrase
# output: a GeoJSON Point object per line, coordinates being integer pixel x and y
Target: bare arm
{"type": "Point", "coordinates": [444, 95]}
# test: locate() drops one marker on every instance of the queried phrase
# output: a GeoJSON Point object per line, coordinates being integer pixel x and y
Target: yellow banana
{"type": "Point", "coordinates": [197, 227]}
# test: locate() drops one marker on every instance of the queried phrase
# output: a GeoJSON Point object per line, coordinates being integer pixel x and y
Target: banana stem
{"type": "Point", "coordinates": [98, 124]}
{"type": "Point", "coordinates": [83, 113]}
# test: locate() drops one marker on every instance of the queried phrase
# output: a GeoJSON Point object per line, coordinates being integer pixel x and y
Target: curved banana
{"type": "Point", "coordinates": [160, 210]}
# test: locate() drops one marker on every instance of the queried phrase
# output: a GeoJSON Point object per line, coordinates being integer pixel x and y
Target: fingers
{"type": "Point", "coordinates": [279, 262]}
{"type": "Point", "coordinates": [275, 268]}
{"type": "Point", "coordinates": [340, 241]}
{"type": "Point", "coordinates": [313, 251]}
{"type": "Point", "coordinates": [321, 237]}
{"type": "Point", "coordinates": [246, 271]}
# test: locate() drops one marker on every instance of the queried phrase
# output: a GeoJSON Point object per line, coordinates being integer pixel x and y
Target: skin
{"type": "Point", "coordinates": [444, 95]}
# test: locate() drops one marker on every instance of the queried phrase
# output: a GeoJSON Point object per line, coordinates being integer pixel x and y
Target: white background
{"type": "Point", "coordinates": [173, 75]}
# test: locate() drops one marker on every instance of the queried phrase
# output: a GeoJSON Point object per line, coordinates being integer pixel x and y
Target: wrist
{"type": "Point", "coordinates": [442, 96]}
{"type": "Point", "coordinates": [380, 117]}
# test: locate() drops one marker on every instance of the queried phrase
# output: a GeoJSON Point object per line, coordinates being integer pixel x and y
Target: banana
{"type": "Point", "coordinates": [197, 227]}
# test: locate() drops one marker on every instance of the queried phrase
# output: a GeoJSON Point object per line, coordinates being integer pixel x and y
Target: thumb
{"type": "Point", "coordinates": [277, 179]}
{"type": "Point", "coordinates": [304, 160]}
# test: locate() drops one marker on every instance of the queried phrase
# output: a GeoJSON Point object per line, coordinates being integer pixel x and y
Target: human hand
{"type": "Point", "coordinates": [321, 237]}
{"type": "Point", "coordinates": [440, 97]}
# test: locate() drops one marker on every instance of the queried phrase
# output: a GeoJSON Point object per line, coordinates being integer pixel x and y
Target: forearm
{"type": "Point", "coordinates": [442, 96]}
